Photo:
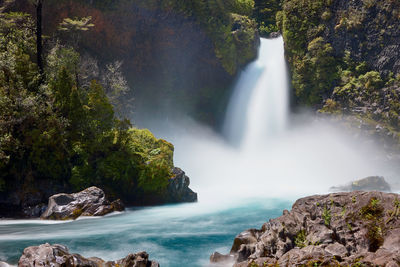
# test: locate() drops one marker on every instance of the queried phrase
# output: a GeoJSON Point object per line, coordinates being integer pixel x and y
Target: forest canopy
{"type": "Point", "coordinates": [61, 126]}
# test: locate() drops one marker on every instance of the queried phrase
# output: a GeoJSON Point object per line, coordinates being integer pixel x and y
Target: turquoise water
{"type": "Point", "coordinates": [176, 235]}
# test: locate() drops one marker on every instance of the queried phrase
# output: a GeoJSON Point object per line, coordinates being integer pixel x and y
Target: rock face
{"type": "Point", "coordinates": [89, 202]}
{"type": "Point", "coordinates": [178, 61]}
{"type": "Point", "coordinates": [367, 184]}
{"type": "Point", "coordinates": [339, 229]}
{"type": "Point", "coordinates": [178, 188]}
{"type": "Point", "coordinates": [58, 255]}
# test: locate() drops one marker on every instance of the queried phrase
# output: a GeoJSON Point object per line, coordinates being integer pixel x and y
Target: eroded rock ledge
{"type": "Point", "coordinates": [58, 255]}
{"type": "Point", "coordinates": [341, 229]}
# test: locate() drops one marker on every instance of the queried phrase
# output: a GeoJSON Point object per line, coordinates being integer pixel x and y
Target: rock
{"type": "Point", "coordinates": [35, 211]}
{"type": "Point", "coordinates": [337, 250]}
{"type": "Point", "coordinates": [219, 258]}
{"type": "Point", "coordinates": [58, 255]}
{"type": "Point", "coordinates": [4, 264]}
{"type": "Point", "coordinates": [89, 202]}
{"type": "Point", "coordinates": [372, 183]}
{"type": "Point", "coordinates": [178, 188]}
{"type": "Point", "coordinates": [339, 229]}
{"type": "Point", "coordinates": [274, 34]}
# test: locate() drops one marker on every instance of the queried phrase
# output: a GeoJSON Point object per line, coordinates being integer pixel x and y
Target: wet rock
{"type": "Point", "coordinates": [372, 183]}
{"type": "Point", "coordinates": [57, 255]}
{"type": "Point", "coordinates": [274, 34]}
{"type": "Point", "coordinates": [219, 258]}
{"type": "Point", "coordinates": [4, 264]}
{"type": "Point", "coordinates": [89, 202]}
{"type": "Point", "coordinates": [35, 211]}
{"type": "Point", "coordinates": [329, 230]}
{"type": "Point", "coordinates": [178, 188]}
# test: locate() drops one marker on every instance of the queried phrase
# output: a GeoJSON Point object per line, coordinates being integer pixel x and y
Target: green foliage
{"type": "Point", "coordinates": [326, 216]}
{"type": "Point", "coordinates": [321, 75]}
{"type": "Point", "coordinates": [300, 239]}
{"type": "Point", "coordinates": [314, 67]}
{"type": "Point", "coordinates": [217, 19]}
{"type": "Point", "coordinates": [265, 13]}
{"type": "Point", "coordinates": [65, 130]}
{"type": "Point", "coordinates": [76, 24]}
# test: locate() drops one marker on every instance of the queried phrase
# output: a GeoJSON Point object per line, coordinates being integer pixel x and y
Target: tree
{"type": "Point", "coordinates": [39, 43]}
{"type": "Point", "coordinates": [117, 89]}
{"type": "Point", "coordinates": [75, 27]}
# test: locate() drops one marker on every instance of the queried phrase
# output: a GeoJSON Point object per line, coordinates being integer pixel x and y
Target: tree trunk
{"type": "Point", "coordinates": [39, 44]}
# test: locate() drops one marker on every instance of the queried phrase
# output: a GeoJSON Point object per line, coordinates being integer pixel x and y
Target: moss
{"type": "Point", "coordinates": [331, 106]}
{"type": "Point", "coordinates": [76, 213]}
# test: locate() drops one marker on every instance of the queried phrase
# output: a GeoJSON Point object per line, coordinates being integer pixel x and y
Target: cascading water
{"type": "Point", "coordinates": [238, 188]}
{"type": "Point", "coordinates": [259, 104]}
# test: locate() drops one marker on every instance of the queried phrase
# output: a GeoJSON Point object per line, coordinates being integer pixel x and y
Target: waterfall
{"type": "Point", "coordinates": [259, 105]}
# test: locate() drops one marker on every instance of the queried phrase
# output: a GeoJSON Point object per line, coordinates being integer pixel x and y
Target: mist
{"type": "Point", "coordinates": [263, 151]}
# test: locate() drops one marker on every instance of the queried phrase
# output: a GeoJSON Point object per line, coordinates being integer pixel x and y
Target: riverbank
{"type": "Point", "coordinates": [340, 229]}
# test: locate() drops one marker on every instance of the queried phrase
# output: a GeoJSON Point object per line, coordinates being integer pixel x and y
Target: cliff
{"type": "Point", "coordinates": [172, 52]}
{"type": "Point", "coordinates": [344, 59]}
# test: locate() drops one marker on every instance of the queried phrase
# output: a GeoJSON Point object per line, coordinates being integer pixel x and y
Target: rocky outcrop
{"type": "Point", "coordinates": [344, 56]}
{"type": "Point", "coordinates": [178, 188]}
{"type": "Point", "coordinates": [339, 229]}
{"type": "Point", "coordinates": [368, 30]}
{"type": "Point", "coordinates": [57, 255]}
{"type": "Point", "coordinates": [372, 183]}
{"type": "Point", "coordinates": [89, 202]}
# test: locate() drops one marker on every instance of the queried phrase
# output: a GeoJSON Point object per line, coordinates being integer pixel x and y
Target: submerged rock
{"type": "Point", "coordinates": [178, 188]}
{"type": "Point", "coordinates": [340, 229]}
{"type": "Point", "coordinates": [58, 255]}
{"type": "Point", "coordinates": [89, 202]}
{"type": "Point", "coordinates": [372, 183]}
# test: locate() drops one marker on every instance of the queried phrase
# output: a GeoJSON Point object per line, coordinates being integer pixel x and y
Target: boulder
{"type": "Point", "coordinates": [339, 229]}
{"type": "Point", "coordinates": [89, 202]}
{"type": "Point", "coordinates": [178, 188]}
{"type": "Point", "coordinates": [372, 183]}
{"type": "Point", "coordinates": [57, 255]}
{"type": "Point", "coordinates": [4, 264]}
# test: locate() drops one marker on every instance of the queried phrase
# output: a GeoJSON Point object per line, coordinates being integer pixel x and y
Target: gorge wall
{"type": "Point", "coordinates": [344, 59]}
{"type": "Point", "coordinates": [175, 55]}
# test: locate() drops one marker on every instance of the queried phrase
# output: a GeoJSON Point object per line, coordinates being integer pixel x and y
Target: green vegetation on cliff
{"type": "Point", "coordinates": [173, 51]}
{"type": "Point", "coordinates": [343, 57]}
{"type": "Point", "coordinates": [265, 12]}
{"type": "Point", "coordinates": [218, 18]}
{"type": "Point", "coordinates": [61, 129]}
{"type": "Point", "coordinates": [226, 22]}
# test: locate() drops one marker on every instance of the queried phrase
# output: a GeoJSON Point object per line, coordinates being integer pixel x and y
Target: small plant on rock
{"type": "Point", "coordinates": [301, 239]}
{"type": "Point", "coordinates": [327, 216]}
{"type": "Point", "coordinates": [373, 212]}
